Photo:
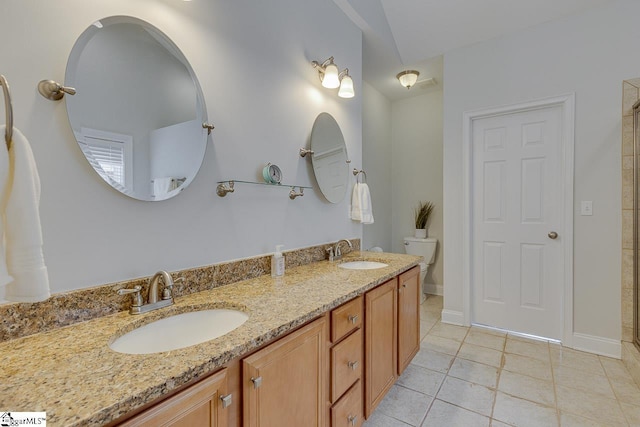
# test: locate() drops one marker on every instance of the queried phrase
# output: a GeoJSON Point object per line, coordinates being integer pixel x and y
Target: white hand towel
{"type": "Point", "coordinates": [356, 199]}
{"type": "Point", "coordinates": [162, 186]}
{"type": "Point", "coordinates": [365, 204]}
{"type": "Point", "coordinates": [27, 279]}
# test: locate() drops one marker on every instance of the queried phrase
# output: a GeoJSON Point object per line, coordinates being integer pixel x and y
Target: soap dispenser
{"type": "Point", "coordinates": [277, 263]}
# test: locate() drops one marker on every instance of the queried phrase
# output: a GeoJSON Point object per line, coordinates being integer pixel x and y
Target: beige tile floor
{"type": "Point", "coordinates": [472, 377]}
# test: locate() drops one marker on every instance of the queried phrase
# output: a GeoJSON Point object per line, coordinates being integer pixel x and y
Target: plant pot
{"type": "Point", "coordinates": [421, 233]}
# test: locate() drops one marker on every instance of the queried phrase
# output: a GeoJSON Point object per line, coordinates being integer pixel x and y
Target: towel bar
{"type": "Point", "coordinates": [8, 108]}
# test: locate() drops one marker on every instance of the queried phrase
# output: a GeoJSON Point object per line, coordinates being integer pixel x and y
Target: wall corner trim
{"type": "Point", "coordinates": [599, 345]}
{"type": "Point", "coordinates": [453, 317]}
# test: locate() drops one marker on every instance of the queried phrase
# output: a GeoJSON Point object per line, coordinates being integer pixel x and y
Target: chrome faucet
{"type": "Point", "coordinates": [153, 287]}
{"type": "Point", "coordinates": [337, 253]}
{"type": "Point", "coordinates": [138, 306]}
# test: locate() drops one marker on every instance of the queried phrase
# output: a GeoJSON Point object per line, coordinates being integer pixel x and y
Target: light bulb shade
{"type": "Point", "coordinates": [408, 78]}
{"type": "Point", "coordinates": [346, 87]}
{"type": "Point", "coordinates": [330, 79]}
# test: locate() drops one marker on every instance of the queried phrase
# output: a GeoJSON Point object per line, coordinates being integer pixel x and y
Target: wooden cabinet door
{"type": "Point", "coordinates": [199, 405]}
{"type": "Point", "coordinates": [284, 384]}
{"type": "Point", "coordinates": [381, 342]}
{"type": "Point", "coordinates": [408, 317]}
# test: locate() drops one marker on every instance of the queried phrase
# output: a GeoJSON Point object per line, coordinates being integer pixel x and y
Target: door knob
{"type": "Point", "coordinates": [552, 235]}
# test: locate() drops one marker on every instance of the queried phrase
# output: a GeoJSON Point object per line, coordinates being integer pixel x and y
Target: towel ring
{"type": "Point", "coordinates": [8, 108]}
{"type": "Point", "coordinates": [357, 172]}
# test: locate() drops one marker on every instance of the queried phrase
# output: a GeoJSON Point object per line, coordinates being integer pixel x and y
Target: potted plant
{"type": "Point", "coordinates": [422, 213]}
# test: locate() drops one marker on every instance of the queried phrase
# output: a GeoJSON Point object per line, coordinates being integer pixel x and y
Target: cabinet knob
{"type": "Point", "coordinates": [226, 401]}
{"type": "Point", "coordinates": [257, 382]}
{"type": "Point", "coordinates": [353, 318]}
{"type": "Point", "coordinates": [352, 419]}
{"type": "Point", "coordinates": [353, 365]}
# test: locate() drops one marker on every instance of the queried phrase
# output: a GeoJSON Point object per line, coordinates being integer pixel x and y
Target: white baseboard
{"type": "Point", "coordinates": [433, 289]}
{"type": "Point", "coordinates": [453, 317]}
{"type": "Point", "coordinates": [597, 345]}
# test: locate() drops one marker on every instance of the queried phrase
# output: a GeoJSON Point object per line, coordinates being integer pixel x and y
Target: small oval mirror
{"type": "Point", "coordinates": [139, 109]}
{"type": "Point", "coordinates": [329, 158]}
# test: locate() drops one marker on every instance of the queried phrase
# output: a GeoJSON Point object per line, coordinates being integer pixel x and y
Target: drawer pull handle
{"type": "Point", "coordinates": [257, 382]}
{"type": "Point", "coordinates": [226, 401]}
{"type": "Point", "coordinates": [353, 365]}
{"type": "Point", "coordinates": [352, 419]}
{"type": "Point", "coordinates": [353, 318]}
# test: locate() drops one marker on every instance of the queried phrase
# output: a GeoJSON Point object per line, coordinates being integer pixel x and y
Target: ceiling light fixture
{"type": "Point", "coordinates": [331, 78]}
{"type": "Point", "coordinates": [408, 78]}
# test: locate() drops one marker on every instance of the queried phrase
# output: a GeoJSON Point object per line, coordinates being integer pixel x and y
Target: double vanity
{"type": "Point", "coordinates": [326, 340]}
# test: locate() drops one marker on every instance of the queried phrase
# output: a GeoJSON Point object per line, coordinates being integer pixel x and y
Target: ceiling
{"type": "Point", "coordinates": [414, 34]}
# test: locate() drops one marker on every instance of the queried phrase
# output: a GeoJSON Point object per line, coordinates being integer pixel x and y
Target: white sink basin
{"type": "Point", "coordinates": [362, 265]}
{"type": "Point", "coordinates": [179, 331]}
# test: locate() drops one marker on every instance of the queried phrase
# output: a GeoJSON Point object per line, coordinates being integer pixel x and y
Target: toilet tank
{"type": "Point", "coordinates": [425, 248]}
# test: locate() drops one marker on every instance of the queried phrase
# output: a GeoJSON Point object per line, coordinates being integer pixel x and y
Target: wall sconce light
{"type": "Point", "coordinates": [331, 78]}
{"type": "Point", "coordinates": [408, 78]}
{"type": "Point", "coordinates": [328, 73]}
{"type": "Point", "coordinates": [346, 85]}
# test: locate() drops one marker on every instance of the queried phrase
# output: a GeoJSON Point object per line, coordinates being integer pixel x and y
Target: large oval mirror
{"type": "Point", "coordinates": [329, 158]}
{"type": "Point", "coordinates": [138, 111]}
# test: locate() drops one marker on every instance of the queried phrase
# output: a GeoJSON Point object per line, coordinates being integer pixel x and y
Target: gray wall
{"type": "Point", "coordinates": [253, 62]}
{"type": "Point", "coordinates": [376, 160]}
{"type": "Point", "coordinates": [417, 172]}
{"type": "Point", "coordinates": [402, 150]}
{"type": "Point", "coordinates": [589, 55]}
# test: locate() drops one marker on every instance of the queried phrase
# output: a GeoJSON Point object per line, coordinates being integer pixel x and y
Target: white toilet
{"type": "Point", "coordinates": [422, 247]}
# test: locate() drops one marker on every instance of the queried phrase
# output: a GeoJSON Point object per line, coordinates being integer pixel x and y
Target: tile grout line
{"type": "Point", "coordinates": [435, 395]}
{"type": "Point", "coordinates": [502, 362]}
{"type": "Point", "coordinates": [445, 376]}
{"type": "Point", "coordinates": [553, 384]}
{"type": "Point", "coordinates": [624, 414]}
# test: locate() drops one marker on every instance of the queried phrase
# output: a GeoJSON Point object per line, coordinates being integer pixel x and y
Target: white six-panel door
{"type": "Point", "coordinates": [516, 277]}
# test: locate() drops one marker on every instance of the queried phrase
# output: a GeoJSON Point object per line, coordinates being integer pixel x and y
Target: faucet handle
{"type": "Point", "coordinates": [330, 252]}
{"type": "Point", "coordinates": [135, 294]}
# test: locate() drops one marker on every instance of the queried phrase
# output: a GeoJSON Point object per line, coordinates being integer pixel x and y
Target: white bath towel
{"type": "Point", "coordinates": [361, 209]}
{"type": "Point", "coordinates": [22, 267]}
{"type": "Point", "coordinates": [162, 186]}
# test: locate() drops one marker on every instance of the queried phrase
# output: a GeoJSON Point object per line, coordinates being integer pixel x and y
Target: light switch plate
{"type": "Point", "coordinates": [586, 208]}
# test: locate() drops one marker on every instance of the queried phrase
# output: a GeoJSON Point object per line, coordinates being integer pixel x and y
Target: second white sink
{"type": "Point", "coordinates": [179, 331]}
{"type": "Point", "coordinates": [362, 265]}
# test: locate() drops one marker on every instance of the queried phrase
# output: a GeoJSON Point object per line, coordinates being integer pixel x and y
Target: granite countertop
{"type": "Point", "coordinates": [73, 375]}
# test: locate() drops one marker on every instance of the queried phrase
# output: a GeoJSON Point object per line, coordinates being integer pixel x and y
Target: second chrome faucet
{"type": "Point", "coordinates": [336, 253]}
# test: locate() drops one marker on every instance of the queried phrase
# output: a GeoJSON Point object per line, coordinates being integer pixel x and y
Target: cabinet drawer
{"type": "Point", "coordinates": [346, 318]}
{"type": "Point", "coordinates": [346, 364]}
{"type": "Point", "coordinates": [348, 411]}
